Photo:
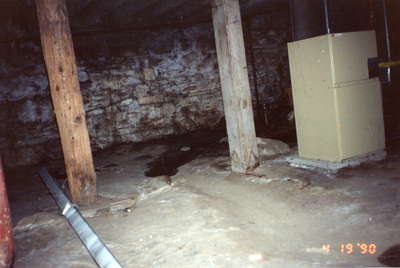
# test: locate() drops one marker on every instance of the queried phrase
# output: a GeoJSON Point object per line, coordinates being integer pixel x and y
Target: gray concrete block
{"type": "Point", "coordinates": [296, 161]}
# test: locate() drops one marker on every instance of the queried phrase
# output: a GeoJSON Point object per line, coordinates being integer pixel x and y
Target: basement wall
{"type": "Point", "coordinates": [137, 86]}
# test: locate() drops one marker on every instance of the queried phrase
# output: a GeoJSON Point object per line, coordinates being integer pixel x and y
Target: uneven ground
{"type": "Point", "coordinates": [278, 216]}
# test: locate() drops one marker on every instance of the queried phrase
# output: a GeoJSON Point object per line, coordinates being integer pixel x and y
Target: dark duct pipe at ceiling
{"type": "Point", "coordinates": [308, 18]}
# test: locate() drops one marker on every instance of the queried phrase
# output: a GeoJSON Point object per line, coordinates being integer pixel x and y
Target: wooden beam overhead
{"type": "Point", "coordinates": [165, 7]}
{"type": "Point", "coordinates": [76, 6]}
{"type": "Point", "coordinates": [62, 71]}
{"type": "Point", "coordinates": [190, 12]}
{"type": "Point", "coordinates": [127, 10]}
{"type": "Point", "coordinates": [235, 85]}
{"type": "Point", "coordinates": [96, 10]}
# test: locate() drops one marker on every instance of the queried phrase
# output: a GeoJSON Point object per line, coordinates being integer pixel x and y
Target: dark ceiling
{"type": "Point", "coordinates": [17, 17]}
{"type": "Point", "coordinates": [148, 12]}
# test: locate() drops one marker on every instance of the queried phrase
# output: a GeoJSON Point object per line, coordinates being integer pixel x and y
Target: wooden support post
{"type": "Point", "coordinates": [235, 85]}
{"type": "Point", "coordinates": [61, 66]}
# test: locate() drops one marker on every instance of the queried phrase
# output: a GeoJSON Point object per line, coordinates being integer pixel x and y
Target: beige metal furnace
{"type": "Point", "coordinates": [338, 108]}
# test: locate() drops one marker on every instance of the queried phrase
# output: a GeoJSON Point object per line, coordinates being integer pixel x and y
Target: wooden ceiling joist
{"type": "Point", "coordinates": [193, 11]}
{"type": "Point", "coordinates": [124, 13]}
{"type": "Point", "coordinates": [96, 10]}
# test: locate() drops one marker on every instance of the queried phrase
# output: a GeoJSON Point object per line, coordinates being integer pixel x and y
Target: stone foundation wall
{"type": "Point", "coordinates": [136, 86]}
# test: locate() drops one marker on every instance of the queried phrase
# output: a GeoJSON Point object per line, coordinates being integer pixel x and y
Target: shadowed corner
{"type": "Point", "coordinates": [391, 256]}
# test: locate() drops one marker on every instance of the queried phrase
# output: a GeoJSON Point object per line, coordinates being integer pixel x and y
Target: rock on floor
{"type": "Point", "coordinates": [267, 147]}
{"type": "Point", "coordinates": [270, 147]}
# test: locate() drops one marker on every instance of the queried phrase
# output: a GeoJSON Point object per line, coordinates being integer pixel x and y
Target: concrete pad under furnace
{"type": "Point", "coordinates": [296, 161]}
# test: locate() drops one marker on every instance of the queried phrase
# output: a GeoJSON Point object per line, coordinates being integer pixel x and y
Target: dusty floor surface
{"type": "Point", "coordinates": [278, 216]}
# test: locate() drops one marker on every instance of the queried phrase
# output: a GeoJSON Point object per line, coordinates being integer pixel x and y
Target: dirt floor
{"type": "Point", "coordinates": [278, 216]}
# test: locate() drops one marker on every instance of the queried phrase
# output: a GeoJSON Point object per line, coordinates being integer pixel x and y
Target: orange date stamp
{"type": "Point", "coordinates": [352, 248]}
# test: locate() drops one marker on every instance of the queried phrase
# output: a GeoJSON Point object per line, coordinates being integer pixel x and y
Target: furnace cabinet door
{"type": "Point", "coordinates": [360, 118]}
{"type": "Point", "coordinates": [313, 99]}
{"type": "Point", "coordinates": [349, 55]}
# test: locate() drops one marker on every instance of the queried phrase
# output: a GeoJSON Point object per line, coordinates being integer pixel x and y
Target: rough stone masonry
{"type": "Point", "coordinates": [136, 86]}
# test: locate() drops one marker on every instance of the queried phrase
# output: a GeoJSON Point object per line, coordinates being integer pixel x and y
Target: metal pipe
{"type": "Point", "coordinates": [389, 64]}
{"type": "Point", "coordinates": [292, 19]}
{"type": "Point", "coordinates": [387, 38]}
{"type": "Point", "coordinates": [6, 239]}
{"type": "Point", "coordinates": [100, 253]}
{"type": "Point", "coordinates": [327, 23]}
{"type": "Point", "coordinates": [307, 19]}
